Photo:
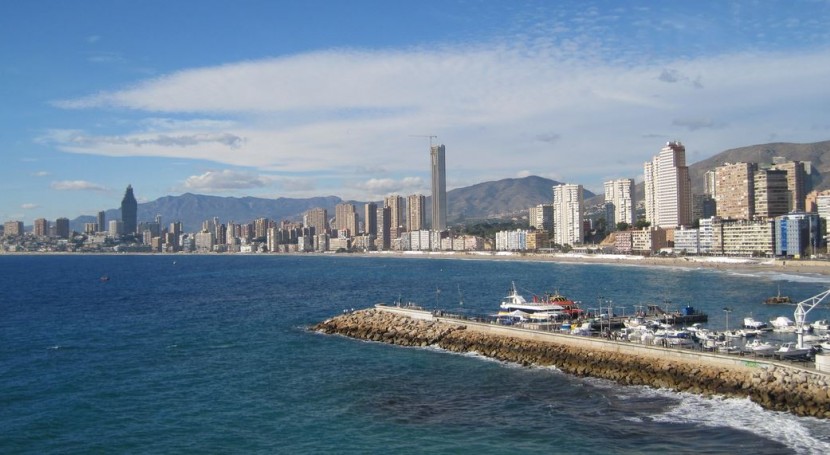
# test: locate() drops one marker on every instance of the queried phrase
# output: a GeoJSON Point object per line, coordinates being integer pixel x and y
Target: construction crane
{"type": "Point", "coordinates": [801, 311]}
{"type": "Point", "coordinates": [431, 137]}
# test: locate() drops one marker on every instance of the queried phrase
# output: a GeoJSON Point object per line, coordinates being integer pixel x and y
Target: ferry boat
{"type": "Point", "coordinates": [570, 307]}
{"type": "Point", "coordinates": [514, 304]}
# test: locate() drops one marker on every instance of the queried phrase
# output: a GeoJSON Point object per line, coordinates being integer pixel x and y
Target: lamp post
{"type": "Point", "coordinates": [727, 310]}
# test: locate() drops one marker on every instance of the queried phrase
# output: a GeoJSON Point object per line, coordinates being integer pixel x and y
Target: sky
{"type": "Point", "coordinates": [311, 98]}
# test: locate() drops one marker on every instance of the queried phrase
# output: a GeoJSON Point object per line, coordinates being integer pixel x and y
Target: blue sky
{"type": "Point", "coordinates": [316, 98]}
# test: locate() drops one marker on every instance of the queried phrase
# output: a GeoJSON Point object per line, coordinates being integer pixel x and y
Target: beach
{"type": "Point", "coordinates": [794, 266]}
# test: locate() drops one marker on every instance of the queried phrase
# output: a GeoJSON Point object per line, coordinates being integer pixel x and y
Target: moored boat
{"type": "Point", "coordinates": [778, 299]}
{"type": "Point", "coordinates": [514, 302]}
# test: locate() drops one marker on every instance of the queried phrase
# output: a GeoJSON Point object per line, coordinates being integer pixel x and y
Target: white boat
{"type": "Point", "coordinates": [515, 302]}
{"type": "Point", "coordinates": [760, 348]}
{"type": "Point", "coordinates": [821, 324]}
{"type": "Point", "coordinates": [783, 324]}
{"type": "Point", "coordinates": [727, 347]}
{"type": "Point", "coordinates": [791, 350]}
{"type": "Point", "coordinates": [751, 323]}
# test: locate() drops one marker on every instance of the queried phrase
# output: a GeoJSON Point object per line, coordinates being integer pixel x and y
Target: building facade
{"type": "Point", "coordinates": [416, 219]}
{"type": "Point", "coordinates": [772, 196]}
{"type": "Point", "coordinates": [668, 188]}
{"type": "Point", "coordinates": [568, 212]}
{"type": "Point", "coordinates": [797, 234]}
{"type": "Point", "coordinates": [439, 188]}
{"type": "Point", "coordinates": [735, 191]}
{"type": "Point", "coordinates": [129, 212]}
{"type": "Point", "coordinates": [620, 193]}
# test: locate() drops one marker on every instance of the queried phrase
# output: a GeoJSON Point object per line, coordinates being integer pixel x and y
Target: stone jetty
{"type": "Point", "coordinates": [775, 387]}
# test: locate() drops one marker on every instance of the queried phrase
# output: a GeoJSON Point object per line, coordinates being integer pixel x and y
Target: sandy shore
{"type": "Point", "coordinates": [806, 267]}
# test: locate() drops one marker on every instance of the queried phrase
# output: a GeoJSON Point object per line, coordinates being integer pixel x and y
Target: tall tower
{"type": "Point", "coordinates": [668, 188]}
{"type": "Point", "coordinates": [396, 215]}
{"type": "Point", "coordinates": [439, 188]}
{"type": "Point", "coordinates": [416, 219]}
{"type": "Point", "coordinates": [568, 210]}
{"type": "Point", "coordinates": [129, 212]}
{"type": "Point", "coordinates": [102, 221]}
{"type": "Point", "coordinates": [620, 193]}
{"type": "Point", "coordinates": [735, 190]}
{"type": "Point", "coordinates": [370, 218]}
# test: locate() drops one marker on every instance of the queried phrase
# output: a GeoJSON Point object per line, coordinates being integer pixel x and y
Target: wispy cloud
{"type": "Point", "coordinates": [29, 206]}
{"type": "Point", "coordinates": [77, 185]}
{"type": "Point", "coordinates": [40, 174]}
{"type": "Point", "coordinates": [493, 105]}
{"type": "Point", "coordinates": [214, 181]}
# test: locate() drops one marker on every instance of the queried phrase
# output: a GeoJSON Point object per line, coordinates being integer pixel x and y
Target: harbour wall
{"type": "Point", "coordinates": [771, 385]}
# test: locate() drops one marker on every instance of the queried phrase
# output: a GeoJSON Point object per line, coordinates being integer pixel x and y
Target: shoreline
{"type": "Point", "coordinates": [791, 266]}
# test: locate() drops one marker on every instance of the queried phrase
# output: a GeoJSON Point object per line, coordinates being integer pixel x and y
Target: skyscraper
{"type": "Point", "coordinates": [668, 188]}
{"type": "Point", "coordinates": [568, 210]}
{"type": "Point", "coordinates": [129, 212]}
{"type": "Point", "coordinates": [370, 218]}
{"type": "Point", "coordinates": [439, 188]}
{"type": "Point", "coordinates": [346, 218]}
{"type": "Point", "coordinates": [318, 218]}
{"type": "Point", "coordinates": [735, 191]}
{"type": "Point", "coordinates": [416, 212]}
{"type": "Point", "coordinates": [396, 215]}
{"type": "Point", "coordinates": [796, 182]}
{"type": "Point", "coordinates": [620, 193]}
{"type": "Point", "coordinates": [102, 221]}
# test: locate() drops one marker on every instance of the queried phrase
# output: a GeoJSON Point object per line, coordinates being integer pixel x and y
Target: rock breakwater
{"type": "Point", "coordinates": [773, 387]}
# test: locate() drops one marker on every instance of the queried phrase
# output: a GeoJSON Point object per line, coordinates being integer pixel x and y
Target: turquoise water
{"type": "Point", "coordinates": [211, 354]}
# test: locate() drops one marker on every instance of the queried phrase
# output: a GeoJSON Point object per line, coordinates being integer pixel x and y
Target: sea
{"type": "Point", "coordinates": [213, 354]}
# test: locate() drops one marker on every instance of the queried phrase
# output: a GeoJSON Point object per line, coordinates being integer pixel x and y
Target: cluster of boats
{"type": "Point", "coordinates": [555, 310]}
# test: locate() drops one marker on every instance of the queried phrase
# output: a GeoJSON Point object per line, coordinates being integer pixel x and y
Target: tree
{"type": "Point", "coordinates": [622, 226]}
{"type": "Point", "coordinates": [642, 223]}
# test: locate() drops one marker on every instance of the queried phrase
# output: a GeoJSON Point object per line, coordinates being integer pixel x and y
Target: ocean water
{"type": "Point", "coordinates": [212, 354]}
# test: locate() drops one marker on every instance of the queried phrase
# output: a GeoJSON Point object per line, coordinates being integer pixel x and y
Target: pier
{"type": "Point", "coordinates": [773, 385]}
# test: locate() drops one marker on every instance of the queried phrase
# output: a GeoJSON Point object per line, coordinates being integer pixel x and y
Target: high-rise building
{"type": "Point", "coordinates": [796, 183]}
{"type": "Point", "coordinates": [317, 218]}
{"type": "Point", "coordinates": [12, 228]}
{"type": "Point", "coordinates": [416, 218]}
{"type": "Point", "coordinates": [62, 228]}
{"type": "Point", "coordinates": [116, 228]}
{"type": "Point", "coordinates": [668, 188]}
{"type": "Point", "coordinates": [439, 188]}
{"type": "Point", "coordinates": [345, 218]}
{"type": "Point", "coordinates": [396, 215]}
{"type": "Point", "coordinates": [370, 218]}
{"type": "Point", "coordinates": [41, 227]}
{"type": "Point", "coordinates": [735, 191]}
{"type": "Point", "coordinates": [620, 193]}
{"type": "Point", "coordinates": [709, 182]}
{"type": "Point", "coordinates": [772, 197]}
{"type": "Point", "coordinates": [102, 221]}
{"type": "Point", "coordinates": [541, 217]}
{"type": "Point", "coordinates": [568, 210]}
{"type": "Point", "coordinates": [384, 237]}
{"type": "Point", "coordinates": [261, 226]}
{"type": "Point", "coordinates": [129, 212]}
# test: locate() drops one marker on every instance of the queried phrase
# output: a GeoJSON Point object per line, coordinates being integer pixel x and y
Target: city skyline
{"type": "Point", "coordinates": [296, 100]}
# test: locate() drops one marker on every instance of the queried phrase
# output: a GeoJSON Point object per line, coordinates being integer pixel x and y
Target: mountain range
{"type": "Point", "coordinates": [487, 200]}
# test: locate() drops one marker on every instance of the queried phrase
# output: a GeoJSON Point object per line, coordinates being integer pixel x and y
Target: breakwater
{"type": "Point", "coordinates": [774, 387]}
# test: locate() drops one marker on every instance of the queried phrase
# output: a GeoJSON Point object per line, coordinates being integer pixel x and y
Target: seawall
{"type": "Point", "coordinates": [775, 387]}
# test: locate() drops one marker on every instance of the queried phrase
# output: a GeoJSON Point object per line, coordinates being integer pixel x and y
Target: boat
{"type": "Point", "coordinates": [751, 323]}
{"type": "Point", "coordinates": [821, 324]}
{"type": "Point", "coordinates": [778, 299]}
{"type": "Point", "coordinates": [536, 310]}
{"type": "Point", "coordinates": [791, 350]}
{"type": "Point", "coordinates": [782, 324]}
{"type": "Point", "coordinates": [760, 348]}
{"type": "Point", "coordinates": [570, 307]}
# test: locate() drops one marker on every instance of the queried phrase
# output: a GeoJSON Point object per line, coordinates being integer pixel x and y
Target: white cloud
{"type": "Point", "coordinates": [386, 186]}
{"type": "Point", "coordinates": [76, 185]}
{"type": "Point", "coordinates": [495, 108]}
{"type": "Point", "coordinates": [29, 206]}
{"type": "Point", "coordinates": [214, 181]}
{"type": "Point", "coordinates": [40, 174]}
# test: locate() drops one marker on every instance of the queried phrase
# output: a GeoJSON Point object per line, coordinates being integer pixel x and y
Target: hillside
{"type": "Point", "coordinates": [483, 200]}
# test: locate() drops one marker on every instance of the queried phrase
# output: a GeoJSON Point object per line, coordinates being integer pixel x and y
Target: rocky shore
{"type": "Point", "coordinates": [775, 388]}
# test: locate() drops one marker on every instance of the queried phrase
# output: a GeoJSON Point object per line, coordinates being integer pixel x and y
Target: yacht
{"type": "Point", "coordinates": [515, 302]}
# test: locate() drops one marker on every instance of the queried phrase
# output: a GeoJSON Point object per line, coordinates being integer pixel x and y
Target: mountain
{"type": "Point", "coordinates": [484, 200]}
{"type": "Point", "coordinates": [501, 198]}
{"type": "Point", "coordinates": [818, 153]}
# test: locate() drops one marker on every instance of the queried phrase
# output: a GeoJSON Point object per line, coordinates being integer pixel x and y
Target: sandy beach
{"type": "Point", "coordinates": [715, 262]}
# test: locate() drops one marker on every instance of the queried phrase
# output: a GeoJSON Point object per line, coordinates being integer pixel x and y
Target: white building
{"type": "Point", "coordinates": [511, 240]}
{"type": "Point", "coordinates": [668, 188]}
{"type": "Point", "coordinates": [620, 193]}
{"type": "Point", "coordinates": [541, 217]}
{"type": "Point", "coordinates": [687, 240]}
{"type": "Point", "coordinates": [568, 210]}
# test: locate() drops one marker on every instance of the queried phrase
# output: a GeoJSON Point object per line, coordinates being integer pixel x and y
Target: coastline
{"type": "Point", "coordinates": [790, 266]}
{"type": "Point", "coordinates": [801, 267]}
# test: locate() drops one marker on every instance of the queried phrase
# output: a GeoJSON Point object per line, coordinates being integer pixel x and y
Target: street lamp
{"type": "Point", "coordinates": [727, 310]}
